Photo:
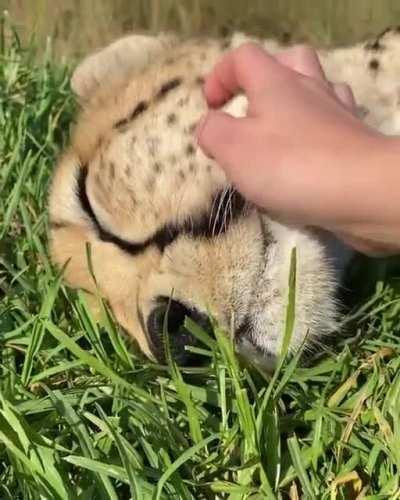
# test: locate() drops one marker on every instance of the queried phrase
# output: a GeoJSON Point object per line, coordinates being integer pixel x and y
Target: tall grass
{"type": "Point", "coordinates": [78, 26]}
{"type": "Point", "coordinates": [84, 416]}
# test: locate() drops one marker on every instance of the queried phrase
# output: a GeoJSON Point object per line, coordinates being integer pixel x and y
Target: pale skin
{"type": "Point", "coordinates": [301, 153]}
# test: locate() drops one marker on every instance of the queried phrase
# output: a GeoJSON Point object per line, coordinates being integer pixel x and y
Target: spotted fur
{"type": "Point", "coordinates": [161, 218]}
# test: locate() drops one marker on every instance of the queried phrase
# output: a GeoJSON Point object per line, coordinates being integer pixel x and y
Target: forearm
{"type": "Point", "coordinates": [369, 214]}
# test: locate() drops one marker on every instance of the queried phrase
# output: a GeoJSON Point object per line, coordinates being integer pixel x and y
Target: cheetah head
{"type": "Point", "coordinates": [167, 233]}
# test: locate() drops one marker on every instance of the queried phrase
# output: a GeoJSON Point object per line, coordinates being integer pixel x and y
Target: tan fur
{"type": "Point", "coordinates": [148, 173]}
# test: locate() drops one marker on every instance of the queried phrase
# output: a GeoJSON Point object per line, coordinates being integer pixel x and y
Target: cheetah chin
{"type": "Point", "coordinates": [166, 230]}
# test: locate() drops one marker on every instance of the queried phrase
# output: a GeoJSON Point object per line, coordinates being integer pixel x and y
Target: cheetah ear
{"type": "Point", "coordinates": [115, 62]}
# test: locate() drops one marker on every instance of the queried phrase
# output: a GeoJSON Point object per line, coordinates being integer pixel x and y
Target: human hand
{"type": "Point", "coordinates": [299, 153]}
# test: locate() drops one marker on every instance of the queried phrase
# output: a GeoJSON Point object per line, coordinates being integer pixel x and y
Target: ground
{"type": "Point", "coordinates": [83, 415]}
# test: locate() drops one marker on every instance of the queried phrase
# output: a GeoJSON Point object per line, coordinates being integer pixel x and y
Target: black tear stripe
{"type": "Point", "coordinates": [104, 235]}
{"type": "Point", "coordinates": [228, 206]}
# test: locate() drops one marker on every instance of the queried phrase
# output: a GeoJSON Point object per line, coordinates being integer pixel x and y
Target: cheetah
{"type": "Point", "coordinates": [167, 233]}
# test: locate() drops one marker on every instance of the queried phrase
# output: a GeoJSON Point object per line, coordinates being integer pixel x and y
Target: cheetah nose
{"type": "Point", "coordinates": [170, 315]}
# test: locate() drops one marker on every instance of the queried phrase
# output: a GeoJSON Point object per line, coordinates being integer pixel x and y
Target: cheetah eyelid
{"type": "Point", "coordinates": [208, 225]}
{"type": "Point", "coordinates": [104, 235]}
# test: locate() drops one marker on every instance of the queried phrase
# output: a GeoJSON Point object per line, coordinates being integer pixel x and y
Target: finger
{"type": "Point", "coordinates": [302, 59]}
{"type": "Point", "coordinates": [221, 137]}
{"type": "Point", "coordinates": [345, 95]}
{"type": "Point", "coordinates": [248, 68]}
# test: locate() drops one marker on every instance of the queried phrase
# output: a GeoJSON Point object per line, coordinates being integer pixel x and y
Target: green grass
{"type": "Point", "coordinates": [80, 26]}
{"type": "Point", "coordinates": [83, 415]}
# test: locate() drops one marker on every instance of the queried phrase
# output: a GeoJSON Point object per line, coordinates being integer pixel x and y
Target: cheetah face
{"type": "Point", "coordinates": [168, 235]}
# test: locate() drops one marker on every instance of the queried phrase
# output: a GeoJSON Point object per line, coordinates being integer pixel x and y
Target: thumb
{"type": "Point", "coordinates": [222, 137]}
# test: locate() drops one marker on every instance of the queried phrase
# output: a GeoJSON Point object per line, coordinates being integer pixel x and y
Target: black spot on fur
{"type": "Point", "coordinates": [172, 118]}
{"type": "Point", "coordinates": [182, 175]}
{"type": "Point", "coordinates": [190, 150]}
{"type": "Point", "coordinates": [183, 101]}
{"type": "Point", "coordinates": [199, 80]}
{"type": "Point", "coordinates": [112, 170]}
{"type": "Point", "coordinates": [375, 46]}
{"type": "Point", "coordinates": [121, 123]}
{"type": "Point", "coordinates": [55, 224]}
{"type": "Point", "coordinates": [374, 64]}
{"type": "Point", "coordinates": [157, 167]}
{"type": "Point", "coordinates": [128, 171]}
{"type": "Point", "coordinates": [140, 108]}
{"type": "Point", "coordinates": [168, 87]}
{"type": "Point", "coordinates": [192, 168]}
{"type": "Point", "coordinates": [192, 128]}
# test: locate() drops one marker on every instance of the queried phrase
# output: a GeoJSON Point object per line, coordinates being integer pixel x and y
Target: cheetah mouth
{"type": "Point", "coordinates": [166, 332]}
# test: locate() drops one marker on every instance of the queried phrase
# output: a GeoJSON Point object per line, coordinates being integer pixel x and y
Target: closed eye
{"type": "Point", "coordinates": [208, 225]}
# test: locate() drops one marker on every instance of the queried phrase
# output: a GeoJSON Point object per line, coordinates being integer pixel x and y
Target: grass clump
{"type": "Point", "coordinates": [83, 416]}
